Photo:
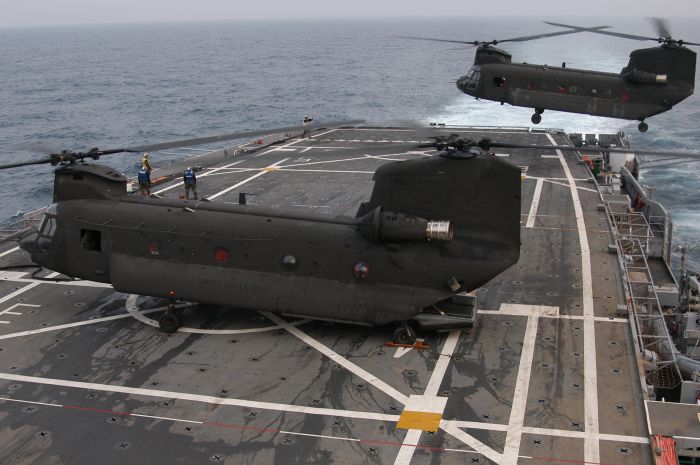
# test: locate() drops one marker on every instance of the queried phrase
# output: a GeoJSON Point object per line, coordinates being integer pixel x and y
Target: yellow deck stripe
{"type": "Point", "coordinates": [419, 420]}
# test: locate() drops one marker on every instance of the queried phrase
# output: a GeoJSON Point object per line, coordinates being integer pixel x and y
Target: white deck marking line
{"type": "Point", "coordinates": [294, 433]}
{"type": "Point", "coordinates": [264, 170]}
{"type": "Point", "coordinates": [408, 447]}
{"type": "Point", "coordinates": [472, 442]}
{"type": "Point", "coordinates": [591, 448]}
{"type": "Point", "coordinates": [340, 360]}
{"type": "Point", "coordinates": [546, 431]}
{"type": "Point", "coordinates": [8, 311]}
{"type": "Point", "coordinates": [535, 203]}
{"type": "Point", "coordinates": [166, 418]}
{"type": "Point", "coordinates": [412, 437]}
{"type": "Point", "coordinates": [600, 319]}
{"type": "Point", "coordinates": [522, 385]}
{"type": "Point", "coordinates": [208, 173]}
{"type": "Point", "coordinates": [8, 252]}
{"type": "Point", "coordinates": [12, 295]}
{"type": "Point", "coordinates": [566, 185]}
{"type": "Point", "coordinates": [79, 283]}
{"type": "Point", "coordinates": [442, 363]}
{"type": "Point", "coordinates": [295, 141]}
{"type": "Point", "coordinates": [73, 325]}
{"type": "Point", "coordinates": [327, 171]}
{"type": "Point", "coordinates": [134, 311]}
{"type": "Point", "coordinates": [476, 425]}
{"type": "Point", "coordinates": [306, 149]}
{"type": "Point", "coordinates": [200, 398]}
{"type": "Point", "coordinates": [9, 399]}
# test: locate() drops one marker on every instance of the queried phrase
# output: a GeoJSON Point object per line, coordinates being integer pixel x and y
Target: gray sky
{"type": "Point", "coordinates": [40, 12]}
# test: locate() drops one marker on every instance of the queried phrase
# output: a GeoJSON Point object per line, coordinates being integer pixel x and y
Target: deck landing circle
{"type": "Point", "coordinates": [135, 312]}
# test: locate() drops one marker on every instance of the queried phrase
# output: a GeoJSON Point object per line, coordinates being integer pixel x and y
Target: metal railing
{"type": "Point", "coordinates": [14, 229]}
{"type": "Point", "coordinates": [632, 234]}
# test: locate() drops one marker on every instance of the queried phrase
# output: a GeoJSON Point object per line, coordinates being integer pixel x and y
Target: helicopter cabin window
{"type": "Point", "coordinates": [499, 81]}
{"type": "Point", "coordinates": [91, 239]}
{"type": "Point", "coordinates": [474, 80]}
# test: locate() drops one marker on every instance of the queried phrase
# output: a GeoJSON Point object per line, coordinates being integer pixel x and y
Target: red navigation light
{"type": "Point", "coordinates": [360, 270]}
{"type": "Point", "coordinates": [221, 255]}
{"type": "Point", "coordinates": [154, 247]}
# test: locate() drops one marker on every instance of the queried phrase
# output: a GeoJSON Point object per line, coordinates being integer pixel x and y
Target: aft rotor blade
{"type": "Point", "coordinates": [552, 34]}
{"type": "Point", "coordinates": [661, 27]}
{"type": "Point", "coordinates": [598, 31]}
{"type": "Point", "coordinates": [232, 136]}
{"type": "Point", "coordinates": [641, 151]}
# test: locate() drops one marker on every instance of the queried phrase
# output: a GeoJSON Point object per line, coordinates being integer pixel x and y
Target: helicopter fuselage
{"type": "Point", "coordinates": [646, 87]}
{"type": "Point", "coordinates": [379, 267]}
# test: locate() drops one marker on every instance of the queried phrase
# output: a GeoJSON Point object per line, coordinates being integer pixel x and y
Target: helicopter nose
{"type": "Point", "coordinates": [27, 242]}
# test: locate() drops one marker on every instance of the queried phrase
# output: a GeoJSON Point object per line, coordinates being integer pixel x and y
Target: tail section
{"type": "Point", "coordinates": [479, 196]}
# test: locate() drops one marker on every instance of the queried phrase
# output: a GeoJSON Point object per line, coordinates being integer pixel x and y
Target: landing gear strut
{"type": "Point", "coordinates": [537, 117]}
{"type": "Point", "coordinates": [171, 320]}
{"type": "Point", "coordinates": [643, 126]}
{"type": "Point", "coordinates": [404, 334]}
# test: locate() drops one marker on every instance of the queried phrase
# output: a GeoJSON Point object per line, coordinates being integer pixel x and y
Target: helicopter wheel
{"type": "Point", "coordinates": [171, 320]}
{"type": "Point", "coordinates": [536, 118]}
{"type": "Point", "coordinates": [643, 127]}
{"type": "Point", "coordinates": [404, 334]}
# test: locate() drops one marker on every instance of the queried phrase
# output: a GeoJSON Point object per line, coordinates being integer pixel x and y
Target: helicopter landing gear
{"type": "Point", "coordinates": [643, 126]}
{"type": "Point", "coordinates": [537, 117]}
{"type": "Point", "coordinates": [404, 335]}
{"type": "Point", "coordinates": [171, 320]}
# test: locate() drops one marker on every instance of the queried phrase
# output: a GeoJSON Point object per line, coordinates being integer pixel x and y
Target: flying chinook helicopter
{"type": "Point", "coordinates": [415, 246]}
{"type": "Point", "coordinates": [654, 80]}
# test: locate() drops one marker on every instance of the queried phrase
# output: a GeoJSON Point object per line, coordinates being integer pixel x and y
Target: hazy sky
{"type": "Point", "coordinates": [39, 12]}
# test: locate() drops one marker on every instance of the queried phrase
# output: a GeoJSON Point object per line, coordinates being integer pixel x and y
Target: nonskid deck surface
{"type": "Point", "coordinates": [547, 376]}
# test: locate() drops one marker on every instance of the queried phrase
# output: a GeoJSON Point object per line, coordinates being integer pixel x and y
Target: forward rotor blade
{"type": "Point", "coordinates": [598, 31]}
{"type": "Point", "coordinates": [232, 136]}
{"type": "Point", "coordinates": [498, 41]}
{"type": "Point", "coordinates": [26, 163]}
{"type": "Point", "coordinates": [430, 39]}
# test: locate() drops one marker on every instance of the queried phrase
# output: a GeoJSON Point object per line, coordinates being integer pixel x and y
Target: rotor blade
{"type": "Point", "coordinates": [37, 147]}
{"type": "Point", "coordinates": [598, 31]}
{"type": "Point", "coordinates": [235, 135]}
{"type": "Point", "coordinates": [641, 151]}
{"type": "Point", "coordinates": [661, 27]}
{"type": "Point", "coordinates": [26, 163]}
{"type": "Point", "coordinates": [430, 39]}
{"type": "Point", "coordinates": [551, 34]}
{"type": "Point", "coordinates": [497, 41]}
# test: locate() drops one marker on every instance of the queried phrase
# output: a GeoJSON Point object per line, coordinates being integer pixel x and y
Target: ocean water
{"type": "Point", "coordinates": [112, 86]}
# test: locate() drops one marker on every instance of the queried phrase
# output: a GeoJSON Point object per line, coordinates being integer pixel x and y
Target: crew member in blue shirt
{"type": "Point", "coordinates": [190, 182]}
{"type": "Point", "coordinates": [144, 178]}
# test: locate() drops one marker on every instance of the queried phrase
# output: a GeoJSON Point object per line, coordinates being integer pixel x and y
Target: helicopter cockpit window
{"type": "Point", "coordinates": [91, 239]}
{"type": "Point", "coordinates": [474, 77]}
{"type": "Point", "coordinates": [48, 226]}
{"type": "Point", "coordinates": [499, 81]}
